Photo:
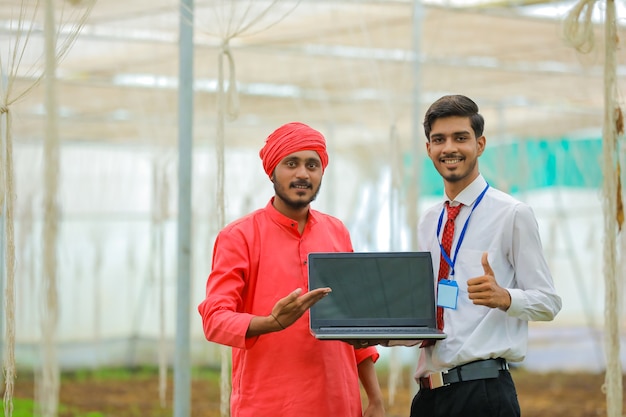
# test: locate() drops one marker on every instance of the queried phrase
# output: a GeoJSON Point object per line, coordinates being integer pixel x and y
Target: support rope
{"type": "Point", "coordinates": [579, 33]}
{"type": "Point", "coordinates": [613, 376]}
{"type": "Point", "coordinates": [9, 196]}
{"type": "Point", "coordinates": [233, 20]}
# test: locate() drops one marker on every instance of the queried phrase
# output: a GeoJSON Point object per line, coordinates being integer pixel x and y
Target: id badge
{"type": "Point", "coordinates": [447, 293]}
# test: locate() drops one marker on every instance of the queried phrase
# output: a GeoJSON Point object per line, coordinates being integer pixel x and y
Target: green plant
{"type": "Point", "coordinates": [21, 407]}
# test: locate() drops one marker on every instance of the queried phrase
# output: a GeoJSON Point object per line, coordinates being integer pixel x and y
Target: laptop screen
{"type": "Point", "coordinates": [373, 289]}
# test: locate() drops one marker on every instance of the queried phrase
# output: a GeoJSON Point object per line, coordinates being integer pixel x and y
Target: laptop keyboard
{"type": "Point", "coordinates": [379, 330]}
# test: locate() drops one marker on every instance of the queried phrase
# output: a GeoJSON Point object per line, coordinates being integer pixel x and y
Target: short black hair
{"type": "Point", "coordinates": [454, 105]}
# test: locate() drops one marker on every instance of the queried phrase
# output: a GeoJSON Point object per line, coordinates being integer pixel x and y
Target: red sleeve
{"type": "Point", "coordinates": [222, 318]}
{"type": "Point", "coordinates": [369, 352]}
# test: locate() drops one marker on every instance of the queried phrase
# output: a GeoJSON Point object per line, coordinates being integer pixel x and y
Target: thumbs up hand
{"type": "Point", "coordinates": [485, 291]}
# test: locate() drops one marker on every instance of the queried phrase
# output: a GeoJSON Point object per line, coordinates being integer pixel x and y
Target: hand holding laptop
{"type": "Point", "coordinates": [361, 343]}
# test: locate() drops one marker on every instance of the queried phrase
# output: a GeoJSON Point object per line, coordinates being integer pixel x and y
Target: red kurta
{"type": "Point", "coordinates": [258, 260]}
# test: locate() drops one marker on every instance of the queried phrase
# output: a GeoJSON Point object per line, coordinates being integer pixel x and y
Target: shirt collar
{"type": "Point", "coordinates": [280, 218]}
{"type": "Point", "coordinates": [469, 193]}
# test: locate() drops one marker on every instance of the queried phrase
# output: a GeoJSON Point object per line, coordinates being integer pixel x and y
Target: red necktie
{"type": "Point", "coordinates": [446, 242]}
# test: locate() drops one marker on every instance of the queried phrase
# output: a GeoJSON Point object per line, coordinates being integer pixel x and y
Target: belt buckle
{"type": "Point", "coordinates": [435, 380]}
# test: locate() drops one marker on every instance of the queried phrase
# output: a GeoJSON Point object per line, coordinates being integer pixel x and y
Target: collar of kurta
{"type": "Point", "coordinates": [288, 222]}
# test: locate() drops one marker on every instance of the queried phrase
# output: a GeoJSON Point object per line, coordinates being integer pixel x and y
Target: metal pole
{"type": "Point", "coordinates": [3, 117]}
{"type": "Point", "coordinates": [416, 132]}
{"type": "Point", "coordinates": [50, 374]}
{"type": "Point", "coordinates": [182, 371]}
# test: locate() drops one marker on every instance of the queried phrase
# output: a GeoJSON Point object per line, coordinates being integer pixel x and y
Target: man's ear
{"type": "Point", "coordinates": [481, 142]}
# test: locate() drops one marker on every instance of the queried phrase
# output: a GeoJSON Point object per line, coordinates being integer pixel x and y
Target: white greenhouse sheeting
{"type": "Point", "coordinates": [108, 265]}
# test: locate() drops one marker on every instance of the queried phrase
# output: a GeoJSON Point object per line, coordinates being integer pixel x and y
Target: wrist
{"type": "Point", "coordinates": [507, 303]}
{"type": "Point", "coordinates": [276, 323]}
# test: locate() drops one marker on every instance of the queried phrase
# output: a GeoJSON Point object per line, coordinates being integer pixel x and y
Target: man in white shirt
{"type": "Point", "coordinates": [497, 281]}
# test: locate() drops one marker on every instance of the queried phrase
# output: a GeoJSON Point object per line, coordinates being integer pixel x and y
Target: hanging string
{"type": "Point", "coordinates": [4, 114]}
{"type": "Point", "coordinates": [233, 19]}
{"type": "Point", "coordinates": [225, 385]}
{"type": "Point", "coordinates": [391, 108]}
{"type": "Point", "coordinates": [10, 67]}
{"type": "Point", "coordinates": [162, 190]}
{"type": "Point", "coordinates": [9, 196]}
{"type": "Point", "coordinates": [395, 162]}
{"type": "Point", "coordinates": [613, 125]}
{"type": "Point", "coordinates": [232, 95]}
{"type": "Point", "coordinates": [579, 33]}
{"type": "Point", "coordinates": [225, 369]}
{"type": "Point", "coordinates": [97, 303]}
{"type": "Point", "coordinates": [578, 26]}
{"type": "Point", "coordinates": [220, 140]}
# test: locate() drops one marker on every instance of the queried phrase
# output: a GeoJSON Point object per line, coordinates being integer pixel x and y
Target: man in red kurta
{"type": "Point", "coordinates": [257, 300]}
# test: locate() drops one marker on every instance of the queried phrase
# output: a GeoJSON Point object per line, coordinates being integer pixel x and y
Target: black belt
{"type": "Point", "coordinates": [483, 369]}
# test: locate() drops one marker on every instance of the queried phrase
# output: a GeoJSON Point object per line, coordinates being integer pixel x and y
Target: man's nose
{"type": "Point", "coordinates": [302, 172]}
{"type": "Point", "coordinates": [449, 145]}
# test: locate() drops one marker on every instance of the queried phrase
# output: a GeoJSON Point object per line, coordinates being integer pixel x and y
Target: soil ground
{"type": "Point", "coordinates": [137, 394]}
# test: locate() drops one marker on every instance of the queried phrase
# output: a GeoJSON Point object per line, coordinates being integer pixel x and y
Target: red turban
{"type": "Point", "coordinates": [290, 138]}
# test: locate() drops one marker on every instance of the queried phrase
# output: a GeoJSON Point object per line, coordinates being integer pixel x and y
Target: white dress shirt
{"type": "Point", "coordinates": [507, 229]}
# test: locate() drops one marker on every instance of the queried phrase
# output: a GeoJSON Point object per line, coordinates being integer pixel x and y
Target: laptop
{"type": "Point", "coordinates": [375, 295]}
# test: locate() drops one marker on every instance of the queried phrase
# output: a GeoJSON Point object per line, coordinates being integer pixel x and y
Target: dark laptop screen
{"type": "Point", "coordinates": [373, 288]}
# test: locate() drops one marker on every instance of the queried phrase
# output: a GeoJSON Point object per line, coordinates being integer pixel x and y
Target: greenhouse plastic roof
{"type": "Point", "coordinates": [353, 69]}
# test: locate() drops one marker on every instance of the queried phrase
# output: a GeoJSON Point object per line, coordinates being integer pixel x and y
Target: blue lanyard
{"type": "Point", "coordinates": [451, 262]}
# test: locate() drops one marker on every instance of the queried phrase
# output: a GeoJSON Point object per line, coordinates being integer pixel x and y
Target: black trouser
{"type": "Point", "coordinates": [494, 397]}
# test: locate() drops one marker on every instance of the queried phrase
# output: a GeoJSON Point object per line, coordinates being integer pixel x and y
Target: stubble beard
{"type": "Point", "coordinates": [294, 204]}
{"type": "Point", "coordinates": [457, 176]}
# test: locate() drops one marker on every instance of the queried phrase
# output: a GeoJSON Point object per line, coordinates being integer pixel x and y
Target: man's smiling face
{"type": "Point", "coordinates": [297, 179]}
{"type": "Point", "coordinates": [454, 149]}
